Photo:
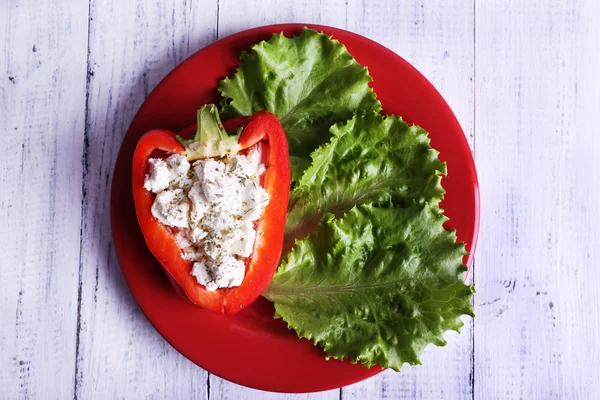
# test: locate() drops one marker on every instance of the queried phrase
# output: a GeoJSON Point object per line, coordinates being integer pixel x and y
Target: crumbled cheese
{"type": "Point", "coordinates": [158, 178]}
{"type": "Point", "coordinates": [172, 207]}
{"type": "Point", "coordinates": [167, 174]}
{"type": "Point", "coordinates": [214, 205]}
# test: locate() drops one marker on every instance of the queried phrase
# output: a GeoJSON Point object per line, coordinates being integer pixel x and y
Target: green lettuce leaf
{"type": "Point", "coordinates": [375, 286]}
{"type": "Point", "coordinates": [370, 159]}
{"type": "Point", "coordinates": [310, 81]}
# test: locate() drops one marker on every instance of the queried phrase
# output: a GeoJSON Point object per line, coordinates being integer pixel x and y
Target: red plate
{"type": "Point", "coordinates": [251, 348]}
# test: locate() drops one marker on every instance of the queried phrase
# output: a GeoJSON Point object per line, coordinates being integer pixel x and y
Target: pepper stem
{"type": "Point", "coordinates": [211, 139]}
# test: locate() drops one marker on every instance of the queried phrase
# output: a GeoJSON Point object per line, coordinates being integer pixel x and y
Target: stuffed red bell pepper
{"type": "Point", "coordinates": [212, 208]}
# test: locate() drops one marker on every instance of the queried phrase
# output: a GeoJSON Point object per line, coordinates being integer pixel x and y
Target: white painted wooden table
{"type": "Point", "coordinates": [523, 78]}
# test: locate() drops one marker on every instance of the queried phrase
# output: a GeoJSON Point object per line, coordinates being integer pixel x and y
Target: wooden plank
{"type": "Point", "coordinates": [42, 107]}
{"type": "Point", "coordinates": [237, 15]}
{"type": "Point", "coordinates": [221, 389]}
{"type": "Point", "coordinates": [437, 38]}
{"type": "Point", "coordinates": [133, 45]}
{"type": "Point", "coordinates": [537, 151]}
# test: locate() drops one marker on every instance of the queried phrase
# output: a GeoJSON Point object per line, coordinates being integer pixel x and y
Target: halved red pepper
{"type": "Point", "coordinates": [263, 129]}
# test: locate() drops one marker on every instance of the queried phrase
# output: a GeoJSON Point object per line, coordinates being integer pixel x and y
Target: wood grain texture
{"type": "Point", "coordinates": [132, 46]}
{"type": "Point", "coordinates": [525, 80]}
{"type": "Point", "coordinates": [41, 120]}
{"type": "Point", "coordinates": [238, 15]}
{"type": "Point", "coordinates": [537, 152]}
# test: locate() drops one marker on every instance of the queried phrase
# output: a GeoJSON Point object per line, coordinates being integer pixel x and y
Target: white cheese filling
{"type": "Point", "coordinates": [212, 205]}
